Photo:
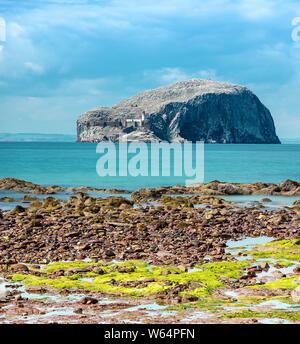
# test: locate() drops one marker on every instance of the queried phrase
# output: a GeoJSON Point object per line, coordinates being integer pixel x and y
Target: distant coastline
{"type": "Point", "coordinates": [38, 137]}
{"type": "Point", "coordinates": [290, 141]}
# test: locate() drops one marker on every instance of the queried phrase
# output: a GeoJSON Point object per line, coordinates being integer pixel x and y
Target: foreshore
{"type": "Point", "coordinates": [165, 255]}
{"type": "Point", "coordinates": [285, 188]}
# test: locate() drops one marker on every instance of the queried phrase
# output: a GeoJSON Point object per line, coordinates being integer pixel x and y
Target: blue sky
{"type": "Point", "coordinates": [64, 57]}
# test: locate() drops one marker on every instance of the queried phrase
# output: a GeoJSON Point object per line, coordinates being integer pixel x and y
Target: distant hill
{"type": "Point", "coordinates": [32, 137]}
{"type": "Point", "coordinates": [290, 141]}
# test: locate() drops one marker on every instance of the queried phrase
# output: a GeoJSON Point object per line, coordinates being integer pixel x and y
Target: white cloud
{"type": "Point", "coordinates": [34, 67]}
{"type": "Point", "coordinates": [257, 9]}
{"type": "Point", "coordinates": [15, 30]}
{"type": "Point", "coordinates": [2, 30]}
{"type": "Point", "coordinates": [170, 75]}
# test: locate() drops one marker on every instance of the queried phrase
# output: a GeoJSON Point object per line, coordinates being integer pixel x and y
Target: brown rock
{"type": "Point", "coordinates": [19, 267]}
{"type": "Point", "coordinates": [89, 300]}
{"type": "Point", "coordinates": [265, 265]}
{"type": "Point", "coordinates": [165, 272]}
{"type": "Point", "coordinates": [189, 298]}
{"type": "Point", "coordinates": [109, 253]}
{"type": "Point", "coordinates": [296, 270]}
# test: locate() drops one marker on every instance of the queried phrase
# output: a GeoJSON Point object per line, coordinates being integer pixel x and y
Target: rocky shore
{"type": "Point", "coordinates": [285, 188]}
{"type": "Point", "coordinates": [160, 247]}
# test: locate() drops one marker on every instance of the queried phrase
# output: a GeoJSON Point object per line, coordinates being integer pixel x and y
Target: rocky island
{"type": "Point", "coordinates": [193, 110]}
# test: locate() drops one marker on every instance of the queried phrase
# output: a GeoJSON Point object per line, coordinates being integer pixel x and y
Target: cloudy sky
{"type": "Point", "coordinates": [64, 57]}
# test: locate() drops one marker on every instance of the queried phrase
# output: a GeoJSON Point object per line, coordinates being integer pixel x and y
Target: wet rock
{"type": "Point", "coordinates": [296, 270]}
{"type": "Point", "coordinates": [89, 301]}
{"type": "Point", "coordinates": [35, 289]}
{"type": "Point", "coordinates": [18, 297]}
{"type": "Point", "coordinates": [28, 198]}
{"type": "Point", "coordinates": [266, 200]}
{"type": "Point", "coordinates": [265, 266]}
{"type": "Point", "coordinates": [35, 266]}
{"type": "Point", "coordinates": [7, 199]}
{"type": "Point", "coordinates": [19, 267]}
{"type": "Point", "coordinates": [254, 269]}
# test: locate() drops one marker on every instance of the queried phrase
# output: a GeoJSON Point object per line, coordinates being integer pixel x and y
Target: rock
{"type": "Point", "coordinates": [254, 269]}
{"type": "Point", "coordinates": [35, 266]}
{"type": "Point", "coordinates": [266, 200]}
{"type": "Point", "coordinates": [82, 247]}
{"type": "Point", "coordinates": [19, 267]}
{"type": "Point", "coordinates": [19, 209]}
{"type": "Point", "coordinates": [288, 185]}
{"type": "Point", "coordinates": [182, 268]}
{"type": "Point", "coordinates": [189, 298]}
{"type": "Point", "coordinates": [265, 266]}
{"type": "Point", "coordinates": [296, 270]}
{"type": "Point", "coordinates": [28, 198]}
{"type": "Point", "coordinates": [74, 271]}
{"type": "Point", "coordinates": [3, 291]}
{"type": "Point", "coordinates": [165, 272]}
{"type": "Point", "coordinates": [36, 204]}
{"type": "Point", "coordinates": [251, 274]}
{"type": "Point", "coordinates": [125, 269]}
{"type": "Point", "coordinates": [278, 274]}
{"type": "Point", "coordinates": [89, 301]}
{"type": "Point", "coordinates": [109, 253]}
{"type": "Point", "coordinates": [18, 297]}
{"type": "Point", "coordinates": [194, 110]}
{"type": "Point", "coordinates": [295, 294]}
{"type": "Point", "coordinates": [35, 289]}
{"type": "Point", "coordinates": [7, 199]}
{"type": "Point", "coordinates": [98, 270]}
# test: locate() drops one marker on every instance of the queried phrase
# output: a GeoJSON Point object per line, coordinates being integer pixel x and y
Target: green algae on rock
{"type": "Point", "coordinates": [280, 249]}
{"type": "Point", "coordinates": [289, 283]}
{"type": "Point", "coordinates": [142, 279]}
{"type": "Point", "coordinates": [288, 315]}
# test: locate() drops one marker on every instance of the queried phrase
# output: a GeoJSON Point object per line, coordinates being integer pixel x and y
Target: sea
{"type": "Point", "coordinates": [74, 164]}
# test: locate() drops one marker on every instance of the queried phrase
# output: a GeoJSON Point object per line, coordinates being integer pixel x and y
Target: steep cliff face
{"type": "Point", "coordinates": [193, 110]}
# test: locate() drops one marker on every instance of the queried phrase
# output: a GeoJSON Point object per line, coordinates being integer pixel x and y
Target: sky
{"type": "Point", "coordinates": [60, 58]}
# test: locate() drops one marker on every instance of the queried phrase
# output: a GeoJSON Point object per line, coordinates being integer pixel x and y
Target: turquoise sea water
{"type": "Point", "coordinates": [74, 164]}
